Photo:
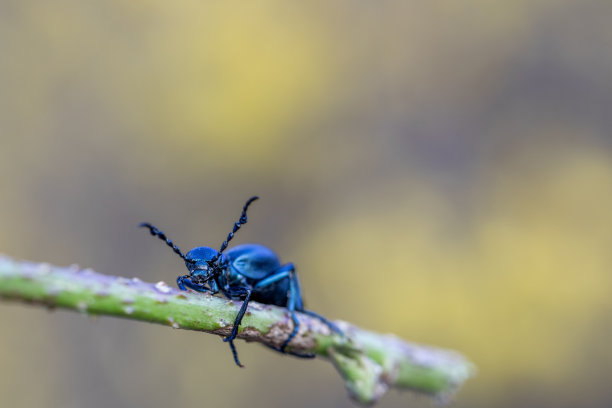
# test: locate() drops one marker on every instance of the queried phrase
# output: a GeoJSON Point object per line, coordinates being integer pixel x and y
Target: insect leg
{"type": "Point", "coordinates": [294, 300]}
{"type": "Point", "coordinates": [238, 291]}
{"type": "Point", "coordinates": [329, 324]}
{"type": "Point", "coordinates": [299, 306]}
{"type": "Point", "coordinates": [292, 353]}
{"type": "Point", "coordinates": [234, 353]}
{"type": "Point", "coordinates": [185, 281]}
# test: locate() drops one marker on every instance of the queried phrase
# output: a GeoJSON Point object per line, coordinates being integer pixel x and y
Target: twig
{"type": "Point", "coordinates": [370, 363]}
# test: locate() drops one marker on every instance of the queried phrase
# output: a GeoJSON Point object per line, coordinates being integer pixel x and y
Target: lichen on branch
{"type": "Point", "coordinates": [369, 363]}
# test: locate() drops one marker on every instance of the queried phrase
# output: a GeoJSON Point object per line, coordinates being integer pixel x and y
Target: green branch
{"type": "Point", "coordinates": [370, 363]}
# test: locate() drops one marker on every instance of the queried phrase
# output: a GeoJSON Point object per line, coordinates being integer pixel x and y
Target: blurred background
{"type": "Point", "coordinates": [441, 170]}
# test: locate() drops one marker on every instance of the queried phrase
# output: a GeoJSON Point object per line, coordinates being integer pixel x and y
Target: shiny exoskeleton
{"type": "Point", "coordinates": [246, 272]}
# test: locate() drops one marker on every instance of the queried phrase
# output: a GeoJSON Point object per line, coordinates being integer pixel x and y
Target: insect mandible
{"type": "Point", "coordinates": [245, 272]}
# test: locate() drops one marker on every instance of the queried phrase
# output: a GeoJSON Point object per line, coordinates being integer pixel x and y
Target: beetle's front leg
{"type": "Point", "coordinates": [185, 282]}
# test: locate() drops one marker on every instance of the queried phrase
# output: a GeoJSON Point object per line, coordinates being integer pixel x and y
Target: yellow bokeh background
{"type": "Point", "coordinates": [440, 170]}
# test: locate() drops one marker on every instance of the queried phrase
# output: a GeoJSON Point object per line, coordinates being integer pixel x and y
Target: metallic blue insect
{"type": "Point", "coordinates": [246, 272]}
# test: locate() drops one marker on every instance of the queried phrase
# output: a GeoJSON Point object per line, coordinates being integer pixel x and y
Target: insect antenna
{"type": "Point", "coordinates": [159, 234]}
{"type": "Point", "coordinates": [241, 221]}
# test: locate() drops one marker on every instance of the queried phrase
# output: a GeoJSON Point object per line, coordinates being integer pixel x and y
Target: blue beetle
{"type": "Point", "coordinates": [246, 272]}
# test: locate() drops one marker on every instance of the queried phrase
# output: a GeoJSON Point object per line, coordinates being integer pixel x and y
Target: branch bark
{"type": "Point", "coordinates": [369, 363]}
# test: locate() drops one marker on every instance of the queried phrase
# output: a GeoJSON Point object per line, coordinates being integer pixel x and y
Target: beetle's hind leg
{"type": "Point", "coordinates": [332, 326]}
{"type": "Point", "coordinates": [292, 353]}
{"type": "Point", "coordinates": [296, 328]}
